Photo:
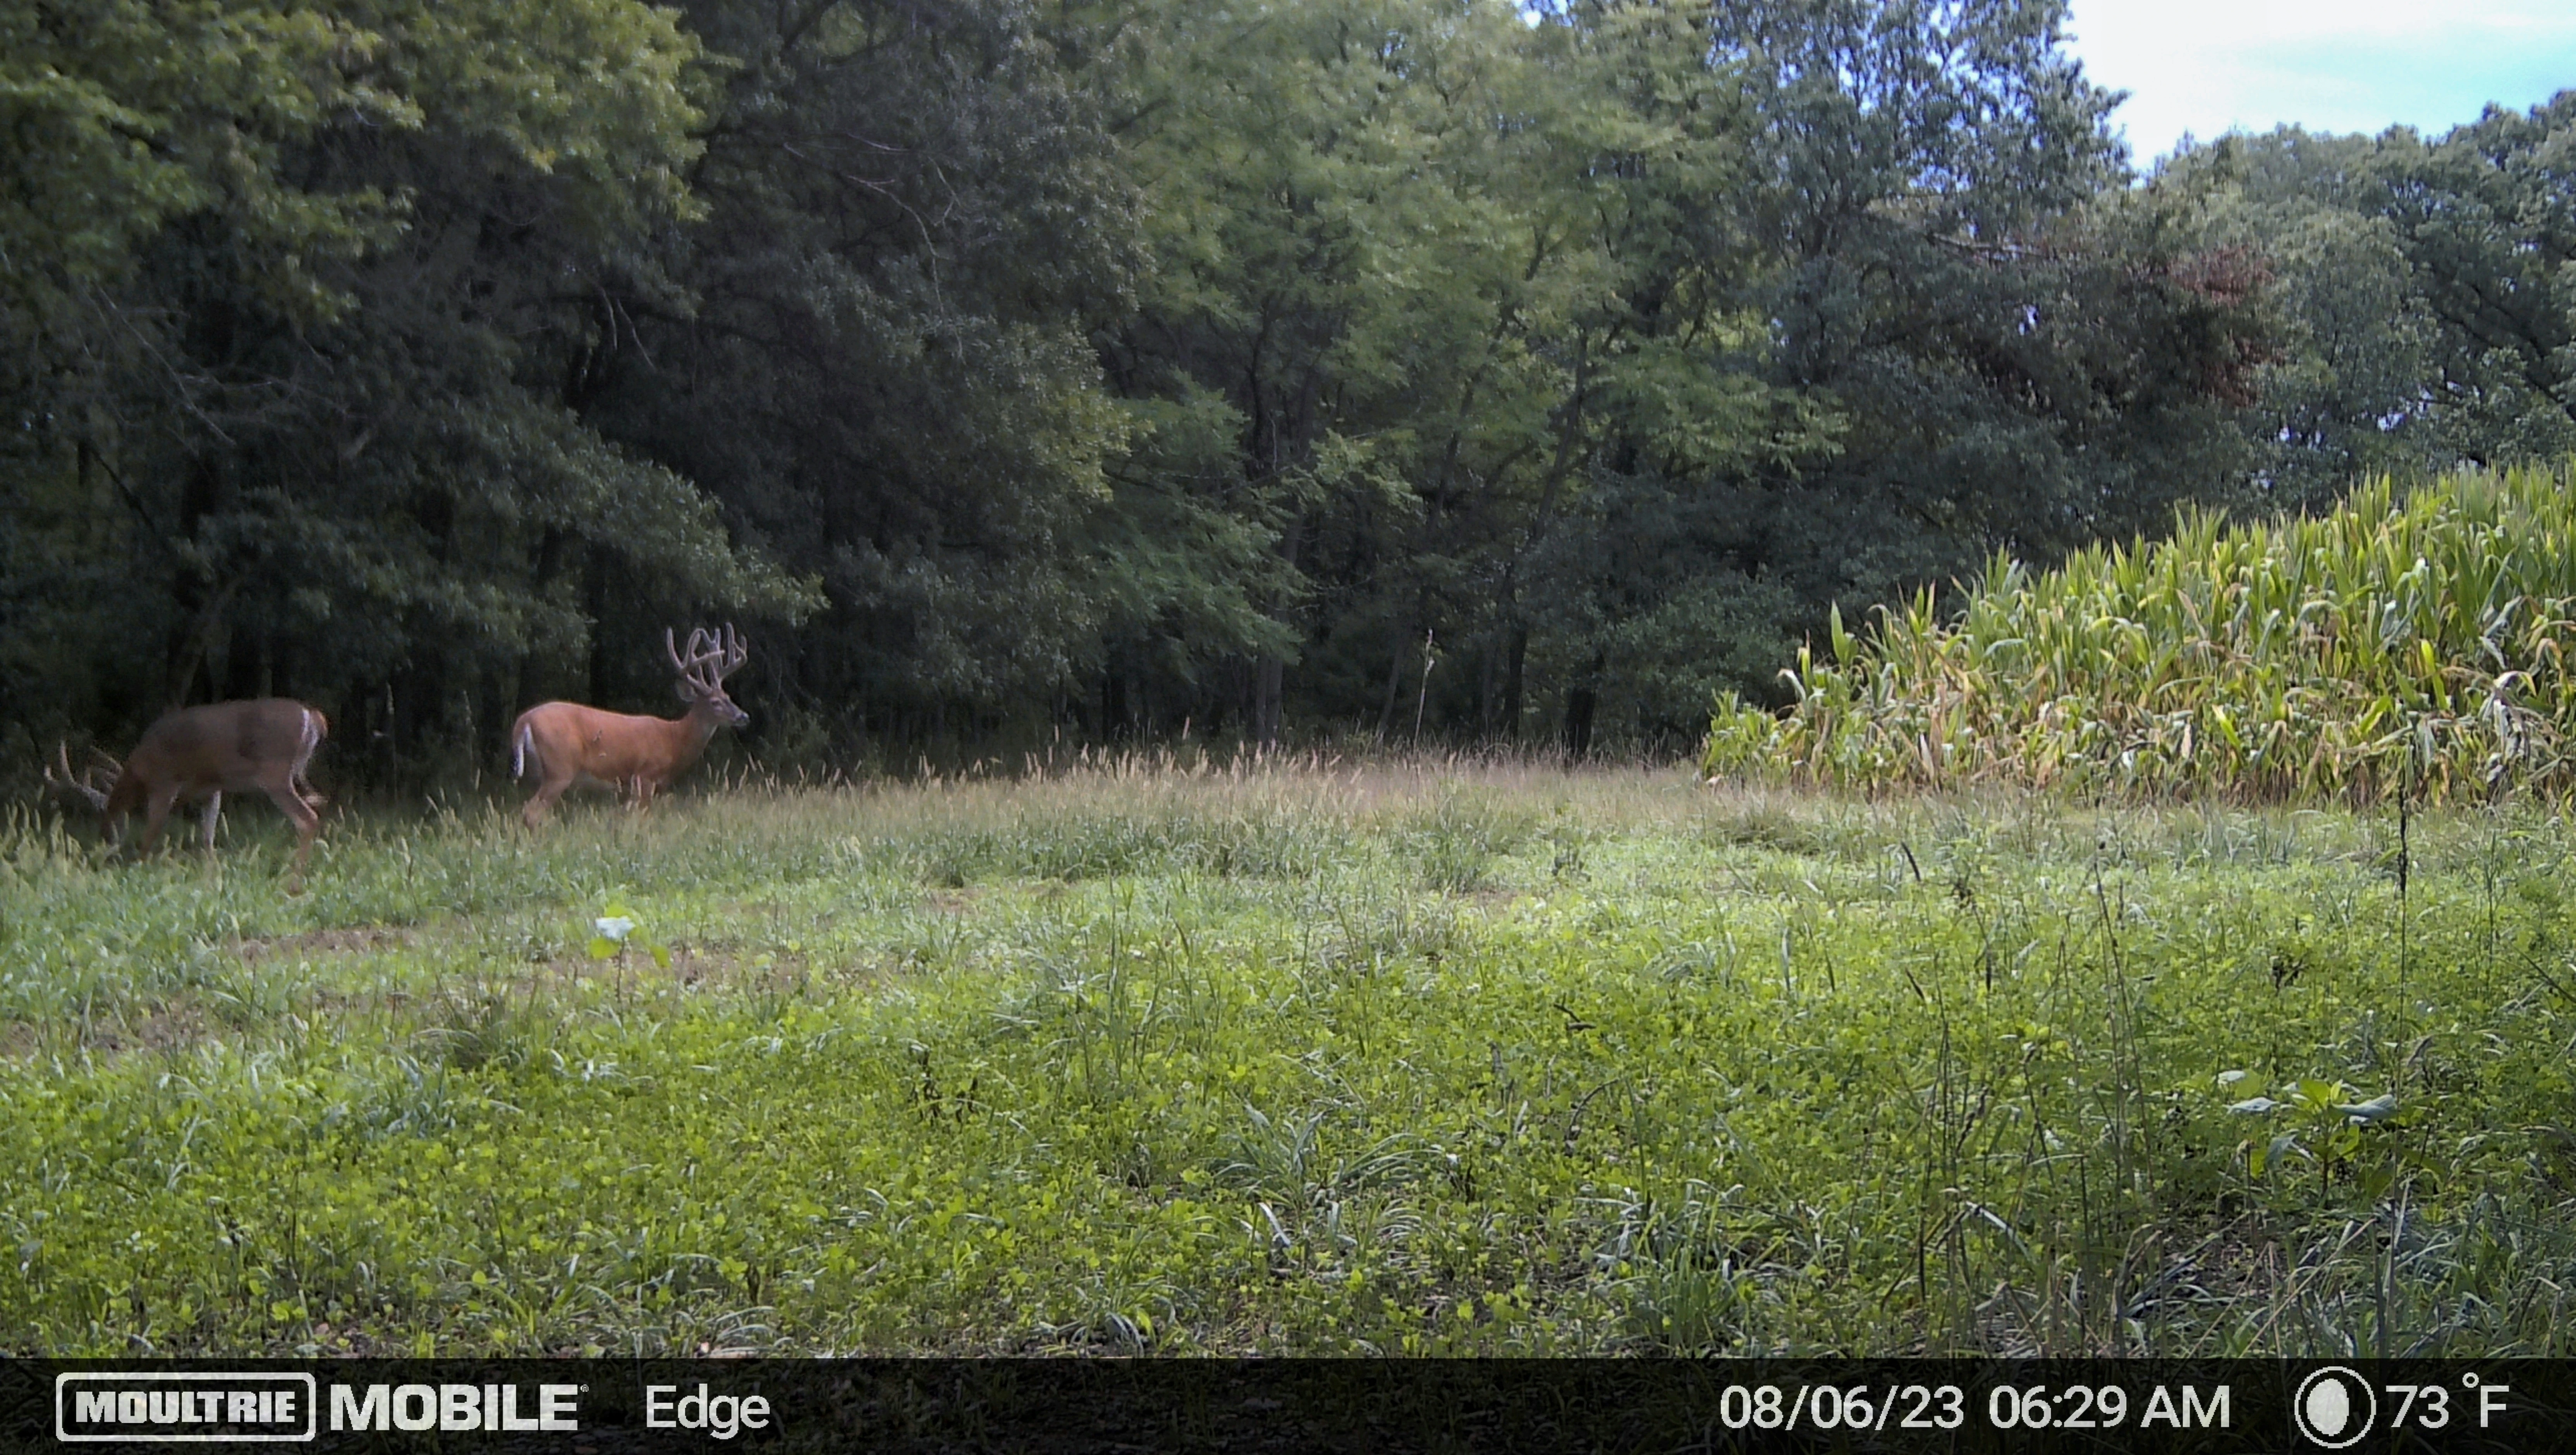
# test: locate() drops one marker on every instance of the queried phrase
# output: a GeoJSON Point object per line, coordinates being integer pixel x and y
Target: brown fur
{"type": "Point", "coordinates": [202, 753]}
{"type": "Point", "coordinates": [568, 743]}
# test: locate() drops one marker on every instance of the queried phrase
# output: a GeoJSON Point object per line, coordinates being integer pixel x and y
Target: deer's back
{"type": "Point", "coordinates": [226, 745]}
{"type": "Point", "coordinates": [609, 746]}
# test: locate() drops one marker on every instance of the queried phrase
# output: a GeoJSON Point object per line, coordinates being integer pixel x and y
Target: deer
{"type": "Point", "coordinates": [567, 743]}
{"type": "Point", "coordinates": [204, 753]}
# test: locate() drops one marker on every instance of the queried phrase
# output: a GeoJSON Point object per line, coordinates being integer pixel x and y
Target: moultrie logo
{"type": "Point", "coordinates": [184, 1409]}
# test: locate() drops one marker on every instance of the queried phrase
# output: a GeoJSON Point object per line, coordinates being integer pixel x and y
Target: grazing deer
{"type": "Point", "coordinates": [567, 743]}
{"type": "Point", "coordinates": [206, 752]}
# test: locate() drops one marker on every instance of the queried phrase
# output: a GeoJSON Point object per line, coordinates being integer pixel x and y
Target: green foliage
{"type": "Point", "coordinates": [2488, 225]}
{"type": "Point", "coordinates": [1474, 1061]}
{"type": "Point", "coordinates": [2339, 397]}
{"type": "Point", "coordinates": [1370, 225]}
{"type": "Point", "coordinates": [616, 928]}
{"type": "Point", "coordinates": [879, 361]}
{"type": "Point", "coordinates": [295, 418]}
{"type": "Point", "coordinates": [2422, 291]}
{"type": "Point", "coordinates": [2408, 644]}
{"type": "Point", "coordinates": [1154, 366]}
{"type": "Point", "coordinates": [2031, 357]}
{"type": "Point", "coordinates": [125, 116]}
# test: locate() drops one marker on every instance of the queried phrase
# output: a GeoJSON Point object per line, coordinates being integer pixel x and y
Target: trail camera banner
{"type": "Point", "coordinates": [593, 1407]}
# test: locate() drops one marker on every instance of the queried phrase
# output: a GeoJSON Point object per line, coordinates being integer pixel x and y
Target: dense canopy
{"type": "Point", "coordinates": [1022, 369]}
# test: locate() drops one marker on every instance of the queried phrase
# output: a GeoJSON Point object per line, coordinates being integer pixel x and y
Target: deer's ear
{"type": "Point", "coordinates": [685, 692]}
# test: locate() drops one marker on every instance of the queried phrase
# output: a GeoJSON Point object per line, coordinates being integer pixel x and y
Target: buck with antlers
{"type": "Point", "coordinates": [567, 743]}
{"type": "Point", "coordinates": [205, 753]}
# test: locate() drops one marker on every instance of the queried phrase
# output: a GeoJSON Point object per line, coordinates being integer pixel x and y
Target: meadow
{"type": "Point", "coordinates": [1438, 1056]}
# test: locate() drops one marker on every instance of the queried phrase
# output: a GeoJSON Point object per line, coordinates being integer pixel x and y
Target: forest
{"type": "Point", "coordinates": [1033, 371]}
{"type": "Point", "coordinates": [1263, 542]}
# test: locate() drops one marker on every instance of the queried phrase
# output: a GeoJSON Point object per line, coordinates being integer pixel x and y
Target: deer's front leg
{"type": "Point", "coordinates": [214, 814]}
{"type": "Point", "coordinates": [156, 812]}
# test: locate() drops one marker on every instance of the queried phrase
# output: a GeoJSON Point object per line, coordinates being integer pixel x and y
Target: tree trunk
{"type": "Point", "coordinates": [1394, 683]}
{"type": "Point", "coordinates": [594, 591]}
{"type": "Point", "coordinates": [1270, 674]}
{"type": "Point", "coordinates": [1113, 707]}
{"type": "Point", "coordinates": [550, 558]}
{"type": "Point", "coordinates": [1489, 688]}
{"type": "Point", "coordinates": [1580, 705]}
{"type": "Point", "coordinates": [1265, 701]}
{"type": "Point", "coordinates": [201, 604]}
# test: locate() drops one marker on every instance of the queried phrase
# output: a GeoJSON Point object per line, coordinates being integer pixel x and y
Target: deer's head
{"type": "Point", "coordinates": [90, 787]}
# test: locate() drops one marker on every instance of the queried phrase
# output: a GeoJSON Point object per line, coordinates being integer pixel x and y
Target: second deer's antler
{"type": "Point", "coordinates": [85, 785]}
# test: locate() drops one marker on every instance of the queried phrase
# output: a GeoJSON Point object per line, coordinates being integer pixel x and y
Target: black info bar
{"type": "Point", "coordinates": [596, 1406]}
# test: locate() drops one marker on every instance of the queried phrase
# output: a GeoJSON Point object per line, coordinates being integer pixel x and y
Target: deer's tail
{"type": "Point", "coordinates": [523, 746]}
{"type": "Point", "coordinates": [315, 728]}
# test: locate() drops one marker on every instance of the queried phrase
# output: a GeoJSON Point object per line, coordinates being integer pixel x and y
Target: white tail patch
{"type": "Point", "coordinates": [520, 750]}
{"type": "Point", "coordinates": [308, 739]}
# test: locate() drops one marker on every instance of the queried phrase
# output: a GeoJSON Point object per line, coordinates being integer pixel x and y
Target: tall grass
{"type": "Point", "coordinates": [1427, 1057]}
{"type": "Point", "coordinates": [2415, 637]}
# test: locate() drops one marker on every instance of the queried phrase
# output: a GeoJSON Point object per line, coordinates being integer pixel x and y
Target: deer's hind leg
{"type": "Point", "coordinates": [307, 824]}
{"type": "Point", "coordinates": [547, 792]}
{"type": "Point", "coordinates": [214, 815]}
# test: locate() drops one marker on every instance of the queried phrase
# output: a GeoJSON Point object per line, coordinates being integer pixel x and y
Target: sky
{"type": "Point", "coordinates": [2206, 66]}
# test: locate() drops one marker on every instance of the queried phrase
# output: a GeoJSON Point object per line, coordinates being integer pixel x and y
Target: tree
{"type": "Point", "coordinates": [880, 360]}
{"type": "Point", "coordinates": [1121, 365]}
{"type": "Point", "coordinates": [1972, 335]}
{"type": "Point", "coordinates": [2427, 317]}
{"type": "Point", "coordinates": [1412, 257]}
{"type": "Point", "coordinates": [302, 419]}
{"type": "Point", "coordinates": [1326, 307]}
{"type": "Point", "coordinates": [2341, 397]}
{"type": "Point", "coordinates": [2486, 218]}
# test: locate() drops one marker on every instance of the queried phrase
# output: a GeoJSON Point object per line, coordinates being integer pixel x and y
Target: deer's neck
{"type": "Point", "coordinates": [695, 726]}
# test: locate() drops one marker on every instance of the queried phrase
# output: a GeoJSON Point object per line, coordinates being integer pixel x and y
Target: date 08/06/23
{"type": "Point", "coordinates": [1949, 1407]}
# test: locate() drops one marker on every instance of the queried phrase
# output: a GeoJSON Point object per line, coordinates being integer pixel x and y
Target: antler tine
{"type": "Point", "coordinates": [736, 650]}
{"type": "Point", "coordinates": [695, 664]}
{"type": "Point", "coordinates": [72, 782]}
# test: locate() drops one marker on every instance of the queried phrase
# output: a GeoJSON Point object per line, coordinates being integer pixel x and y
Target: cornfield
{"type": "Point", "coordinates": [2412, 638]}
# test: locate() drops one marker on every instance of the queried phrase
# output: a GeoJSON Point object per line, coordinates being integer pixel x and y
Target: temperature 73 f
{"type": "Point", "coordinates": [2428, 1406]}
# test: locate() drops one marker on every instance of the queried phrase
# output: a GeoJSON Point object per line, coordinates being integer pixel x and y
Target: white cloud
{"type": "Point", "coordinates": [2206, 66]}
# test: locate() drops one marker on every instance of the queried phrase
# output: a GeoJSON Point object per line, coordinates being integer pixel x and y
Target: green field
{"type": "Point", "coordinates": [1435, 1058]}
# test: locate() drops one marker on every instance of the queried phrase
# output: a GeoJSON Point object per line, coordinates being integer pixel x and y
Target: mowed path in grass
{"type": "Point", "coordinates": [1437, 1058]}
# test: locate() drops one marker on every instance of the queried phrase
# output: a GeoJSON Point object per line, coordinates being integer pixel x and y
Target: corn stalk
{"type": "Point", "coordinates": [2287, 660]}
